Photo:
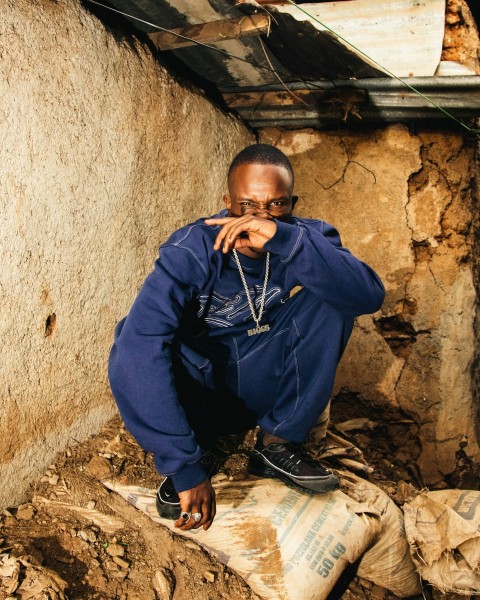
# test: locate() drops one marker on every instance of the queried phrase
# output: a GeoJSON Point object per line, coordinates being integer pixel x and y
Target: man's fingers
{"type": "Point", "coordinates": [258, 230]}
{"type": "Point", "coordinates": [197, 506]}
{"type": "Point", "coordinates": [213, 512]}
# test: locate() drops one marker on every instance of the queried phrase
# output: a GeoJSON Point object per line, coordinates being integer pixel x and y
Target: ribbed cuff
{"type": "Point", "coordinates": [188, 477]}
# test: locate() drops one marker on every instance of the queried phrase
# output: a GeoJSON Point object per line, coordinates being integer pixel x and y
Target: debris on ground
{"type": "Point", "coordinates": [74, 539]}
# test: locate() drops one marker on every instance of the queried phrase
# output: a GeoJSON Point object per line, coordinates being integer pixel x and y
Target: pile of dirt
{"type": "Point", "coordinates": [74, 539]}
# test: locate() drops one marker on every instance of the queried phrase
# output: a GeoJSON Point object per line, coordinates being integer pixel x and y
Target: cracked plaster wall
{"type": "Point", "coordinates": [103, 154]}
{"type": "Point", "coordinates": [403, 203]}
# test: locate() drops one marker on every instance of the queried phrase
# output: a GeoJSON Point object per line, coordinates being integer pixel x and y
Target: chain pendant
{"type": "Point", "coordinates": [258, 329]}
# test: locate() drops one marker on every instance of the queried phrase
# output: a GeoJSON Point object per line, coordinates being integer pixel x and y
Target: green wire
{"type": "Point", "coordinates": [405, 83]}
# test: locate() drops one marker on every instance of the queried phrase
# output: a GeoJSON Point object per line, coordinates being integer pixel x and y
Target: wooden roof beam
{"type": "Point", "coordinates": [214, 31]}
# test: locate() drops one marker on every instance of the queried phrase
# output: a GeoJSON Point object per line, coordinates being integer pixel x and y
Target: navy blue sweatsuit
{"type": "Point", "coordinates": [183, 369]}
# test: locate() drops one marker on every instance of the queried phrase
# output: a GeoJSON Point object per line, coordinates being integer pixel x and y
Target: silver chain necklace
{"type": "Point", "coordinates": [259, 328]}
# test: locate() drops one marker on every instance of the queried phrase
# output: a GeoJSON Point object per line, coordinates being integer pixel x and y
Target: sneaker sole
{"type": "Point", "coordinates": [257, 467]}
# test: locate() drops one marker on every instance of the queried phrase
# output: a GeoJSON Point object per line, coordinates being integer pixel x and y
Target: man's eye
{"type": "Point", "coordinates": [246, 203]}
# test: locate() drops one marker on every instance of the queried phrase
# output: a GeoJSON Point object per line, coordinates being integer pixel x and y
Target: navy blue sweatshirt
{"type": "Point", "coordinates": [194, 286]}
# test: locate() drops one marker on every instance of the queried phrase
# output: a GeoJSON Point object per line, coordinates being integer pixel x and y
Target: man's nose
{"type": "Point", "coordinates": [263, 212]}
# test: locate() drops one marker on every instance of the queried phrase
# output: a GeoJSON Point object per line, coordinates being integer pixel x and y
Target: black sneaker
{"type": "Point", "coordinates": [167, 500]}
{"type": "Point", "coordinates": [290, 462]}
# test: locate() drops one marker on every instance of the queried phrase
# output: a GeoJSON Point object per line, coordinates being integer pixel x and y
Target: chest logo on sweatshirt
{"type": "Point", "coordinates": [225, 311]}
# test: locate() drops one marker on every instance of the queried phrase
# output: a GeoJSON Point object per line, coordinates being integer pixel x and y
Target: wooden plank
{"type": "Point", "coordinates": [312, 98]}
{"type": "Point", "coordinates": [214, 31]}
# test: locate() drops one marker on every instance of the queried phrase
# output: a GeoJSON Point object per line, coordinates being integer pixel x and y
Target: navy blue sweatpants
{"type": "Point", "coordinates": [281, 379]}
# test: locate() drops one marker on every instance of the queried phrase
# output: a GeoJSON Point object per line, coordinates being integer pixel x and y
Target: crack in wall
{"type": "Point", "coordinates": [349, 162]}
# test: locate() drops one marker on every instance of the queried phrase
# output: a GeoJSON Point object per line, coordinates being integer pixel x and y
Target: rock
{"type": "Point", "coordinates": [87, 535]}
{"type": "Point", "coordinates": [10, 522]}
{"type": "Point", "coordinates": [53, 480]}
{"type": "Point", "coordinates": [210, 576]}
{"type": "Point", "coordinates": [115, 550]}
{"type": "Point", "coordinates": [99, 467]}
{"type": "Point", "coordinates": [164, 584]}
{"type": "Point", "coordinates": [111, 566]}
{"type": "Point", "coordinates": [121, 575]}
{"type": "Point", "coordinates": [120, 562]}
{"type": "Point", "coordinates": [91, 504]}
{"type": "Point", "coordinates": [25, 512]}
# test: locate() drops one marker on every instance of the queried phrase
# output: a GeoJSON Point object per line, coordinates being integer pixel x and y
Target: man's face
{"type": "Point", "coordinates": [260, 190]}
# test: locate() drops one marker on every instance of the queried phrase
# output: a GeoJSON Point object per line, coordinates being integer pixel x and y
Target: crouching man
{"type": "Point", "coordinates": [216, 342]}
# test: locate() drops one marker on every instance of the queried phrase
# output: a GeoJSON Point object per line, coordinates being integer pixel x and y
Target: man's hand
{"type": "Point", "coordinates": [243, 232]}
{"type": "Point", "coordinates": [199, 499]}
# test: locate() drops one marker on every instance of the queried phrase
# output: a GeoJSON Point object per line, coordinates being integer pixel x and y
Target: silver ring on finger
{"type": "Point", "coordinates": [186, 516]}
{"type": "Point", "coordinates": [197, 517]}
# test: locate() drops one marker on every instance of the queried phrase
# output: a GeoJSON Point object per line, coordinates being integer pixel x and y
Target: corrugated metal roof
{"type": "Point", "coordinates": [330, 81]}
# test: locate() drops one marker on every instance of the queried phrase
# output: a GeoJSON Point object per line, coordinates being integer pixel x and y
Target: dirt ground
{"type": "Point", "coordinates": [74, 539]}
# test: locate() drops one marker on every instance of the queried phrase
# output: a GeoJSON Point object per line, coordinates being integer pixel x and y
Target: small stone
{"type": "Point", "coordinates": [25, 512]}
{"type": "Point", "coordinates": [121, 575]}
{"type": "Point", "coordinates": [99, 467]}
{"type": "Point", "coordinates": [209, 576]}
{"type": "Point", "coordinates": [10, 522]}
{"type": "Point", "coordinates": [79, 544]}
{"type": "Point", "coordinates": [164, 584]}
{"type": "Point", "coordinates": [69, 452]}
{"type": "Point", "coordinates": [53, 480]}
{"type": "Point", "coordinates": [44, 479]}
{"type": "Point", "coordinates": [83, 534]}
{"type": "Point", "coordinates": [111, 566]}
{"type": "Point", "coordinates": [120, 562]}
{"type": "Point", "coordinates": [181, 558]}
{"type": "Point", "coordinates": [115, 550]}
{"type": "Point", "coordinates": [91, 504]}
{"type": "Point", "coordinates": [53, 496]}
{"type": "Point", "coordinates": [52, 467]}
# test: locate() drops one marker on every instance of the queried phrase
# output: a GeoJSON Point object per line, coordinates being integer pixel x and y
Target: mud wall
{"type": "Point", "coordinates": [102, 155]}
{"type": "Point", "coordinates": [403, 203]}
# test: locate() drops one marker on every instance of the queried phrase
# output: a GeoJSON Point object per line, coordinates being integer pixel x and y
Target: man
{"type": "Point", "coordinates": [216, 342]}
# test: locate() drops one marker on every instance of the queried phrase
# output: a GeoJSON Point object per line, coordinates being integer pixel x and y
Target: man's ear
{"type": "Point", "coordinates": [227, 200]}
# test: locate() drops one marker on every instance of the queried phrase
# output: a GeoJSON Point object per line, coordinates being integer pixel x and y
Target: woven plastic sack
{"type": "Point", "coordinates": [443, 530]}
{"type": "Point", "coordinates": [285, 544]}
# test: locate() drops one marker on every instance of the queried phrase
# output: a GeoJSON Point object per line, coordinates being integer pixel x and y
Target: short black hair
{"type": "Point", "coordinates": [261, 154]}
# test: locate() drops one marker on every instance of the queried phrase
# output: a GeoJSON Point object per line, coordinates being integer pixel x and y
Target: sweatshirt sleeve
{"type": "Point", "coordinates": [140, 366]}
{"type": "Point", "coordinates": [316, 259]}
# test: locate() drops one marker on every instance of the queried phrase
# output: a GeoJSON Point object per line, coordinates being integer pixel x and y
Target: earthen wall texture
{"type": "Point", "coordinates": [404, 204]}
{"type": "Point", "coordinates": [103, 154]}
